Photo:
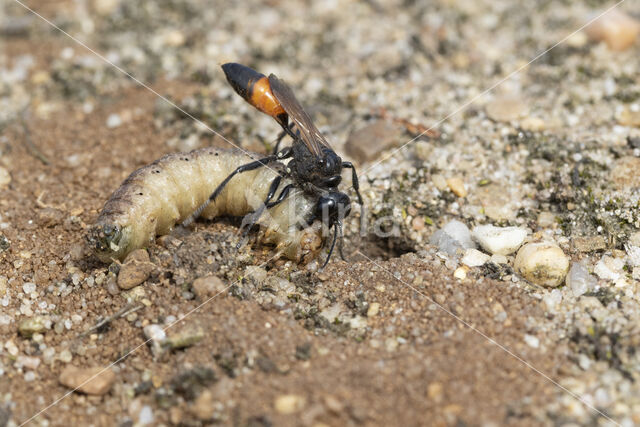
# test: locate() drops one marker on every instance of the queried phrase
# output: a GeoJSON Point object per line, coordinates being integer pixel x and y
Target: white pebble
{"type": "Point", "coordinates": [579, 280]}
{"type": "Point", "coordinates": [532, 341]}
{"type": "Point", "coordinates": [552, 300]}
{"type": "Point", "coordinates": [154, 332]}
{"type": "Point", "coordinates": [609, 268]}
{"type": "Point", "coordinates": [542, 263]}
{"type": "Point", "coordinates": [474, 258]}
{"type": "Point", "coordinates": [453, 237]}
{"type": "Point", "coordinates": [499, 240]}
{"type": "Point", "coordinates": [146, 415]}
{"type": "Point", "coordinates": [29, 288]}
{"type": "Point", "coordinates": [113, 121]}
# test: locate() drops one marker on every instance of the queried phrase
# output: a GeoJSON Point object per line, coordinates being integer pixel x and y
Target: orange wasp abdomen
{"type": "Point", "coordinates": [255, 88]}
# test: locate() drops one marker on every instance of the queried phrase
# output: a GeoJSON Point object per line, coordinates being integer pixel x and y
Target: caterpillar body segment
{"type": "Point", "coordinates": [156, 197]}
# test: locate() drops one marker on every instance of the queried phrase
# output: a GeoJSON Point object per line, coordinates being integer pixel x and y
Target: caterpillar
{"type": "Point", "coordinates": [156, 197]}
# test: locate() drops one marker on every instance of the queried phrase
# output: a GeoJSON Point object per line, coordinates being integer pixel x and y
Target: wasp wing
{"type": "Point", "coordinates": [311, 136]}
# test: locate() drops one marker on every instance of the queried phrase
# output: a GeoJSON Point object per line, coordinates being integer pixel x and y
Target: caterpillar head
{"type": "Point", "coordinates": [108, 241]}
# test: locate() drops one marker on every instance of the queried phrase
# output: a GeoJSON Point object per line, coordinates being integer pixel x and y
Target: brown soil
{"type": "Point", "coordinates": [413, 364]}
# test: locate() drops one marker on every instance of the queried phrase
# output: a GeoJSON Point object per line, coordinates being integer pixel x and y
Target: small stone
{"type": "Point", "coordinates": [634, 239]}
{"type": "Point", "coordinates": [456, 185]}
{"type": "Point", "coordinates": [155, 332]}
{"type": "Point", "coordinates": [34, 325]}
{"type": "Point", "coordinates": [435, 392]}
{"type": "Point", "coordinates": [287, 404]}
{"type": "Point", "coordinates": [113, 121]}
{"type": "Point", "coordinates": [628, 117]}
{"type": "Point", "coordinates": [453, 237]}
{"type": "Point", "coordinates": [474, 258]}
{"type": "Point", "coordinates": [28, 362]}
{"type": "Point", "coordinates": [203, 408]}
{"type": "Point", "coordinates": [65, 356]}
{"type": "Point", "coordinates": [633, 255]}
{"type": "Point", "coordinates": [542, 263]}
{"type": "Point", "coordinates": [96, 381]}
{"type": "Point", "coordinates": [617, 29]}
{"type": "Point", "coordinates": [417, 223]}
{"type": "Point", "coordinates": [135, 270]}
{"type": "Point", "coordinates": [499, 240]}
{"type": "Point", "coordinates": [499, 259]}
{"type": "Point", "coordinates": [546, 219]}
{"type": "Point", "coordinates": [460, 273]}
{"type": "Point", "coordinates": [589, 243]}
{"type": "Point", "coordinates": [496, 202]}
{"type": "Point", "coordinates": [532, 341]}
{"type": "Point", "coordinates": [579, 280]}
{"type": "Point", "coordinates": [373, 310]}
{"type": "Point", "coordinates": [106, 7]}
{"type": "Point", "coordinates": [439, 181]}
{"type": "Point", "coordinates": [367, 143]}
{"type": "Point", "coordinates": [255, 273]}
{"type": "Point", "coordinates": [506, 109]}
{"type": "Point", "coordinates": [624, 173]}
{"type": "Point", "coordinates": [185, 337]}
{"type": "Point", "coordinates": [5, 177]}
{"type": "Point", "coordinates": [145, 416]}
{"type": "Point", "coordinates": [609, 268]}
{"type": "Point", "coordinates": [208, 286]}
{"type": "Point", "coordinates": [533, 124]}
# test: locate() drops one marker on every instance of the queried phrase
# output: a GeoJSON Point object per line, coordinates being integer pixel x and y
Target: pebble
{"type": "Point", "coordinates": [365, 144]}
{"type": "Point", "coordinates": [474, 258]}
{"type": "Point", "coordinates": [609, 268]}
{"type": "Point", "coordinates": [633, 255]}
{"type": "Point", "coordinates": [155, 332]}
{"type": "Point", "coordinates": [589, 243]}
{"type": "Point", "coordinates": [456, 185]}
{"type": "Point", "coordinates": [506, 109]}
{"type": "Point", "coordinates": [373, 310]}
{"type": "Point", "coordinates": [145, 416]}
{"type": "Point", "coordinates": [113, 121]}
{"type": "Point", "coordinates": [453, 237]}
{"type": "Point", "coordinates": [28, 362]}
{"type": "Point", "coordinates": [203, 408]}
{"type": "Point", "coordinates": [546, 219]}
{"type": "Point", "coordinates": [499, 240]}
{"type": "Point", "coordinates": [255, 273]}
{"type": "Point", "coordinates": [460, 273]}
{"type": "Point", "coordinates": [34, 325]}
{"type": "Point", "coordinates": [533, 124]}
{"type": "Point", "coordinates": [617, 29]}
{"type": "Point", "coordinates": [208, 286]}
{"type": "Point", "coordinates": [95, 381]}
{"type": "Point", "coordinates": [496, 202]}
{"type": "Point", "coordinates": [287, 404]}
{"type": "Point", "coordinates": [579, 280]}
{"type": "Point", "coordinates": [532, 341]}
{"type": "Point", "coordinates": [135, 270]}
{"type": "Point", "coordinates": [5, 177]}
{"type": "Point", "coordinates": [185, 337]}
{"type": "Point", "coordinates": [628, 117]}
{"type": "Point", "coordinates": [542, 263]}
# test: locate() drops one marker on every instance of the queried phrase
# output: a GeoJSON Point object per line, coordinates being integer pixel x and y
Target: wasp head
{"type": "Point", "coordinates": [333, 207]}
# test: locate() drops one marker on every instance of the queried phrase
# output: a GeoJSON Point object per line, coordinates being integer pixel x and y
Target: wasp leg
{"type": "Point", "coordinates": [281, 136]}
{"type": "Point", "coordinates": [356, 186]}
{"type": "Point", "coordinates": [284, 154]}
{"type": "Point", "coordinates": [249, 220]}
{"type": "Point", "coordinates": [283, 195]}
{"type": "Point", "coordinates": [333, 245]}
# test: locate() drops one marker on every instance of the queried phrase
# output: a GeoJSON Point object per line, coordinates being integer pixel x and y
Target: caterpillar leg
{"type": "Point", "coordinates": [356, 187]}
{"type": "Point", "coordinates": [249, 220]}
{"type": "Point", "coordinates": [284, 154]}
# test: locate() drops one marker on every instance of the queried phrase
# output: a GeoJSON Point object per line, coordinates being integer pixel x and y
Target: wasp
{"type": "Point", "coordinates": [313, 165]}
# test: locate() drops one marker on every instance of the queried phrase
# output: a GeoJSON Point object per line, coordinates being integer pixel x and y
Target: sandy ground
{"type": "Point", "coordinates": [388, 337]}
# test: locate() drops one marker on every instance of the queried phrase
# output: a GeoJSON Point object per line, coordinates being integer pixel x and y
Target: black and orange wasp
{"type": "Point", "coordinates": [313, 167]}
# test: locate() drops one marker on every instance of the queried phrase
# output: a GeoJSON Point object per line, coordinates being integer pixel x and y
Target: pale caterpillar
{"type": "Point", "coordinates": [156, 197]}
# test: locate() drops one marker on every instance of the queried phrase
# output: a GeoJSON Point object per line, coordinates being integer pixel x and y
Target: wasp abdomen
{"type": "Point", "coordinates": [255, 88]}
